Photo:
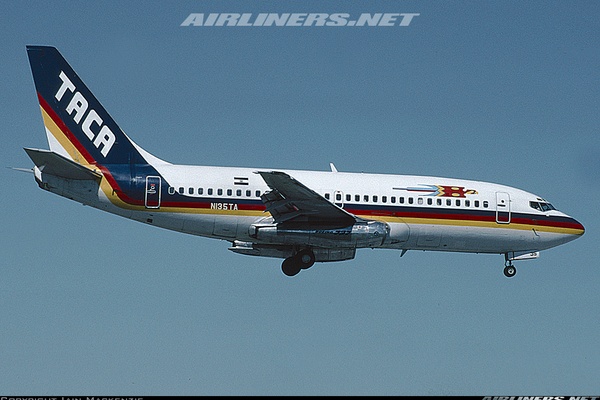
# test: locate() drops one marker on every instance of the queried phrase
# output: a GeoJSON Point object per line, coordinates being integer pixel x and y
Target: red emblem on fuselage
{"type": "Point", "coordinates": [441, 190]}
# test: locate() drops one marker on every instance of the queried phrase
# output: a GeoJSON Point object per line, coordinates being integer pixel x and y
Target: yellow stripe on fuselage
{"type": "Point", "coordinates": [482, 224]}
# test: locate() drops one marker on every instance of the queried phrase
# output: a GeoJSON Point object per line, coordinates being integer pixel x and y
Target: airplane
{"type": "Point", "coordinates": [299, 216]}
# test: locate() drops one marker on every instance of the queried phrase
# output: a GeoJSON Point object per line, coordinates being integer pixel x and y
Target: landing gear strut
{"type": "Point", "coordinates": [303, 259]}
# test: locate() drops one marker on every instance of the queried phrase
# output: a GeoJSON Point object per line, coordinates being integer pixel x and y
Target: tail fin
{"type": "Point", "coordinates": [77, 125]}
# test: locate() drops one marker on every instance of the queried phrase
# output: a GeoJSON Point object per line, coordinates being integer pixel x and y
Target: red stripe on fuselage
{"type": "Point", "coordinates": [201, 203]}
{"type": "Point", "coordinates": [490, 216]}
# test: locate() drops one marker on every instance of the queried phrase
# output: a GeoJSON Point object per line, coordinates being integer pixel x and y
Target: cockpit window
{"type": "Point", "coordinates": [541, 205]}
{"type": "Point", "coordinates": [547, 206]}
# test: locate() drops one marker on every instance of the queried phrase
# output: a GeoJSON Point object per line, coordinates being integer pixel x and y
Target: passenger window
{"type": "Point", "coordinates": [200, 190]}
{"type": "Point", "coordinates": [410, 200]}
{"type": "Point", "coordinates": [366, 198]}
{"type": "Point", "coordinates": [248, 193]}
{"type": "Point", "coordinates": [430, 201]}
{"type": "Point", "coordinates": [457, 203]}
{"type": "Point", "coordinates": [384, 199]}
{"type": "Point", "coordinates": [401, 200]}
{"type": "Point", "coordinates": [393, 199]}
{"type": "Point", "coordinates": [439, 202]}
{"type": "Point", "coordinates": [357, 197]}
{"type": "Point", "coordinates": [257, 193]}
{"type": "Point", "coordinates": [467, 203]}
{"type": "Point", "coordinates": [181, 190]}
{"type": "Point", "coordinates": [238, 192]}
{"type": "Point", "coordinates": [485, 204]}
{"type": "Point", "coordinates": [338, 197]}
{"type": "Point", "coordinates": [219, 192]}
{"type": "Point", "coordinates": [448, 202]}
{"type": "Point", "coordinates": [374, 199]}
{"type": "Point", "coordinates": [420, 200]}
{"type": "Point", "coordinates": [210, 191]}
{"type": "Point", "coordinates": [348, 197]}
{"type": "Point", "coordinates": [229, 192]}
{"type": "Point", "coordinates": [191, 190]}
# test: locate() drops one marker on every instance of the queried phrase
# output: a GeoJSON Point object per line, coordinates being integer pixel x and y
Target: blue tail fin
{"type": "Point", "coordinates": [77, 125]}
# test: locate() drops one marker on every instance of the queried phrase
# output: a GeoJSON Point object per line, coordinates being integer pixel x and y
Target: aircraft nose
{"type": "Point", "coordinates": [579, 226]}
{"type": "Point", "coordinates": [576, 227]}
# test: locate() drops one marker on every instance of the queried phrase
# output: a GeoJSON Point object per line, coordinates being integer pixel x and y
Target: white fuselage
{"type": "Point", "coordinates": [468, 218]}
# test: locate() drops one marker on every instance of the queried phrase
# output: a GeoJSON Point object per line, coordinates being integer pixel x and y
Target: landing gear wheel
{"type": "Point", "coordinates": [306, 258]}
{"type": "Point", "coordinates": [303, 259]}
{"type": "Point", "coordinates": [510, 271]}
{"type": "Point", "coordinates": [291, 266]}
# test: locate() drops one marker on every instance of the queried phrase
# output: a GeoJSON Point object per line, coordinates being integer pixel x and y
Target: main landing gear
{"type": "Point", "coordinates": [303, 259]}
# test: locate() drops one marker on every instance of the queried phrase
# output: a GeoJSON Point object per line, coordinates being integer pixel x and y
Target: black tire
{"type": "Point", "coordinates": [290, 266]}
{"type": "Point", "coordinates": [510, 271]}
{"type": "Point", "coordinates": [306, 258]}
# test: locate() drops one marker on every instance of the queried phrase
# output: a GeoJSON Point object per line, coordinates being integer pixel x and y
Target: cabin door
{"type": "Point", "coordinates": [502, 208]}
{"type": "Point", "coordinates": [152, 194]}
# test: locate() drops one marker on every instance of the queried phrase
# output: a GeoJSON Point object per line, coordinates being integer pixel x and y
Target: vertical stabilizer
{"type": "Point", "coordinates": [77, 125]}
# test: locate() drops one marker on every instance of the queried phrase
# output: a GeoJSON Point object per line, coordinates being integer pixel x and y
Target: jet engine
{"type": "Point", "coordinates": [361, 234]}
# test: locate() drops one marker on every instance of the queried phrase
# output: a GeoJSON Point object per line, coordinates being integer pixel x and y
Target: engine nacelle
{"type": "Point", "coordinates": [361, 234]}
{"type": "Point", "coordinates": [281, 251]}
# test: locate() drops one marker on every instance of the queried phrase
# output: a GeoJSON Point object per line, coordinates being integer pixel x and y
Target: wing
{"type": "Point", "coordinates": [296, 206]}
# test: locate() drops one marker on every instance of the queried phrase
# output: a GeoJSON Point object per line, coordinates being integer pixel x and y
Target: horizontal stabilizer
{"type": "Point", "coordinates": [52, 163]}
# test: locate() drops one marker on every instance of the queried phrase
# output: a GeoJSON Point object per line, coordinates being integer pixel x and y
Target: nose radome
{"type": "Point", "coordinates": [579, 226]}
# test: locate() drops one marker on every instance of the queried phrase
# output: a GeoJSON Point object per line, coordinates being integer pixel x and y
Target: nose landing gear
{"type": "Point", "coordinates": [509, 268]}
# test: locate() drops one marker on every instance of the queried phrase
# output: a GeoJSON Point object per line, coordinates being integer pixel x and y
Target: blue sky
{"type": "Point", "coordinates": [506, 92]}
